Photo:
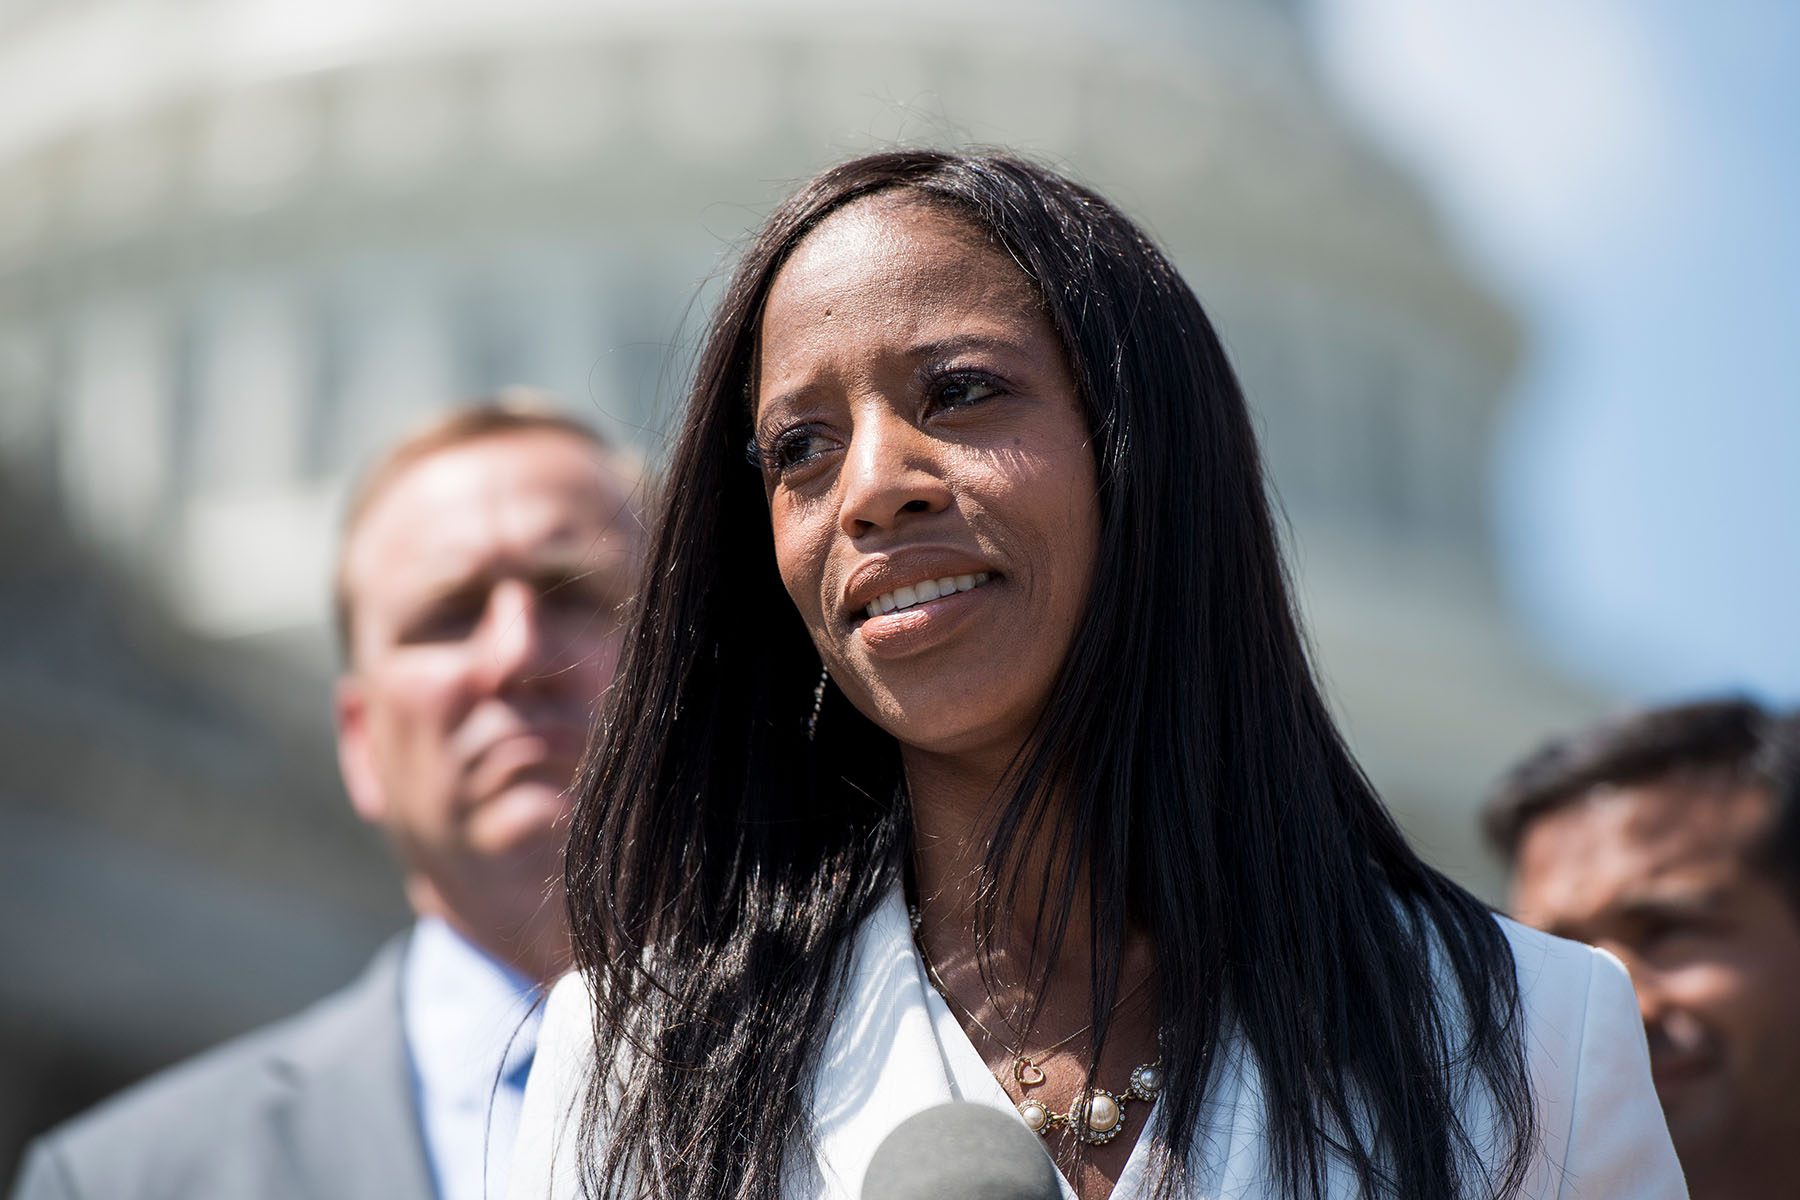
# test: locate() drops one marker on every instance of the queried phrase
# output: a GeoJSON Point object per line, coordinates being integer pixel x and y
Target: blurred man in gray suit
{"type": "Point", "coordinates": [481, 570]}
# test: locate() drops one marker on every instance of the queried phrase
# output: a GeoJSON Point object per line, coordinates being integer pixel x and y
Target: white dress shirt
{"type": "Point", "coordinates": [471, 1028]}
{"type": "Point", "coordinates": [895, 1049]}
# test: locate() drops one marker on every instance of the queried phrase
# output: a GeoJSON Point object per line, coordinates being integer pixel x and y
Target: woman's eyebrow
{"type": "Point", "coordinates": [770, 407]}
{"type": "Point", "coordinates": [963, 342]}
{"type": "Point", "coordinates": [765, 407]}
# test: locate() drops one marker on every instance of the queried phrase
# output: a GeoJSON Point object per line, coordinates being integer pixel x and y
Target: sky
{"type": "Point", "coordinates": [1627, 175]}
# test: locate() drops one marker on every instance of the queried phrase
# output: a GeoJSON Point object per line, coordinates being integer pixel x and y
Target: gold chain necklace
{"type": "Point", "coordinates": [1096, 1115]}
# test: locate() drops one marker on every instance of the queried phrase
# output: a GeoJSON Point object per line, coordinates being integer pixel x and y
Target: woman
{"type": "Point", "coordinates": [967, 747]}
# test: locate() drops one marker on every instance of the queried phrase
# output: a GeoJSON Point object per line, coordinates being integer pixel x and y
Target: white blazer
{"type": "Point", "coordinates": [895, 1049]}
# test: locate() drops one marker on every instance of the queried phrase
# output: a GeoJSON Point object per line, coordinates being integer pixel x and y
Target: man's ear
{"type": "Point", "coordinates": [356, 757]}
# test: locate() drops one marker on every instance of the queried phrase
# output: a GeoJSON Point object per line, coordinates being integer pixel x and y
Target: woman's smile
{"type": "Point", "coordinates": [906, 595]}
{"type": "Point", "coordinates": [915, 599]}
{"type": "Point", "coordinates": [912, 619]}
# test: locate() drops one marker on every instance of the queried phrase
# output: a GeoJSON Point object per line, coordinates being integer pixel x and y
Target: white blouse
{"type": "Point", "coordinates": [895, 1049]}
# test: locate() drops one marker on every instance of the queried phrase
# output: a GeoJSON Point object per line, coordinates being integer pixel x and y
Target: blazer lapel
{"type": "Point", "coordinates": [881, 1061]}
{"type": "Point", "coordinates": [351, 1121]}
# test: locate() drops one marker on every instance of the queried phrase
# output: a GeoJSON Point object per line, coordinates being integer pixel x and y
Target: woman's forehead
{"type": "Point", "coordinates": [881, 237]}
{"type": "Point", "coordinates": [886, 266]}
{"type": "Point", "coordinates": [894, 213]}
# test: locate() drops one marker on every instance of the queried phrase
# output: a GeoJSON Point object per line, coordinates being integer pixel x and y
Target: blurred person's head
{"type": "Point", "coordinates": [1671, 837]}
{"type": "Point", "coordinates": [481, 568]}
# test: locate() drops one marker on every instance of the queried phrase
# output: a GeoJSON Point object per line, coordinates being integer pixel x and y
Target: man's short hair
{"type": "Point", "coordinates": [513, 411]}
{"type": "Point", "coordinates": [1726, 744]}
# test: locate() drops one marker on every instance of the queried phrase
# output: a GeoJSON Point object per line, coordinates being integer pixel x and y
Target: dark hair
{"type": "Point", "coordinates": [1208, 793]}
{"type": "Point", "coordinates": [1722, 744]}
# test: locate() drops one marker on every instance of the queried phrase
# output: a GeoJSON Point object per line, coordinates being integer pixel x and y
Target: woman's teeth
{"type": "Point", "coordinates": [918, 593]}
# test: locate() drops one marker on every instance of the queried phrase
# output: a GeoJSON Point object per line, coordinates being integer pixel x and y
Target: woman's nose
{"type": "Point", "coordinates": [890, 471]}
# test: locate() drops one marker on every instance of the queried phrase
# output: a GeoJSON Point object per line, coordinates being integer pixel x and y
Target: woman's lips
{"type": "Point", "coordinates": [907, 595]}
{"type": "Point", "coordinates": [884, 578]}
{"type": "Point", "coordinates": [923, 625]}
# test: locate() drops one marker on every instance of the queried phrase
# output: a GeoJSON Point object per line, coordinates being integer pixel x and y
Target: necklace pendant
{"type": "Point", "coordinates": [1097, 1116]}
{"type": "Point", "coordinates": [1146, 1081]}
{"type": "Point", "coordinates": [1027, 1073]}
{"type": "Point", "coordinates": [1036, 1114]}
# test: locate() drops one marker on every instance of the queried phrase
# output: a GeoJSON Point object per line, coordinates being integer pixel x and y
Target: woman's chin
{"type": "Point", "coordinates": [943, 722]}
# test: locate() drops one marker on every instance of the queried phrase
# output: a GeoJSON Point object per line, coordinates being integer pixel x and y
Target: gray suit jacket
{"type": "Point", "coordinates": [317, 1107]}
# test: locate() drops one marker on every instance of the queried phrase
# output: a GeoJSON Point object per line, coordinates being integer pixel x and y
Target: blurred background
{"type": "Point", "coordinates": [1512, 289]}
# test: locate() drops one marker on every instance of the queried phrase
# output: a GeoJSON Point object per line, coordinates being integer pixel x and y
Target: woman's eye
{"type": "Point", "coordinates": [795, 447]}
{"type": "Point", "coordinates": [963, 389]}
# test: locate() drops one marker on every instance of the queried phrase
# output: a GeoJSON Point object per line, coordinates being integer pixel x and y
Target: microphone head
{"type": "Point", "coordinates": [961, 1151]}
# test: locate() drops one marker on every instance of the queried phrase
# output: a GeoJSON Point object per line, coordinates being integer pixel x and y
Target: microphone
{"type": "Point", "coordinates": [960, 1151]}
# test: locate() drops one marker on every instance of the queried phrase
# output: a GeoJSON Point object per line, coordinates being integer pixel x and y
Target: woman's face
{"type": "Point", "coordinates": [931, 486]}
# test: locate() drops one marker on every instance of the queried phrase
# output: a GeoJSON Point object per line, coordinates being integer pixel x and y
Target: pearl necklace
{"type": "Point", "coordinates": [1096, 1115]}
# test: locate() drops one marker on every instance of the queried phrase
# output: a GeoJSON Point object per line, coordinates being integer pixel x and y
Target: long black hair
{"type": "Point", "coordinates": [720, 861]}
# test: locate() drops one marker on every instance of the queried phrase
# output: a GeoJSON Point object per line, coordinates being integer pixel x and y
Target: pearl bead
{"type": "Point", "coordinates": [1035, 1114]}
{"type": "Point", "coordinates": [1149, 1079]}
{"type": "Point", "coordinates": [1102, 1113]}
